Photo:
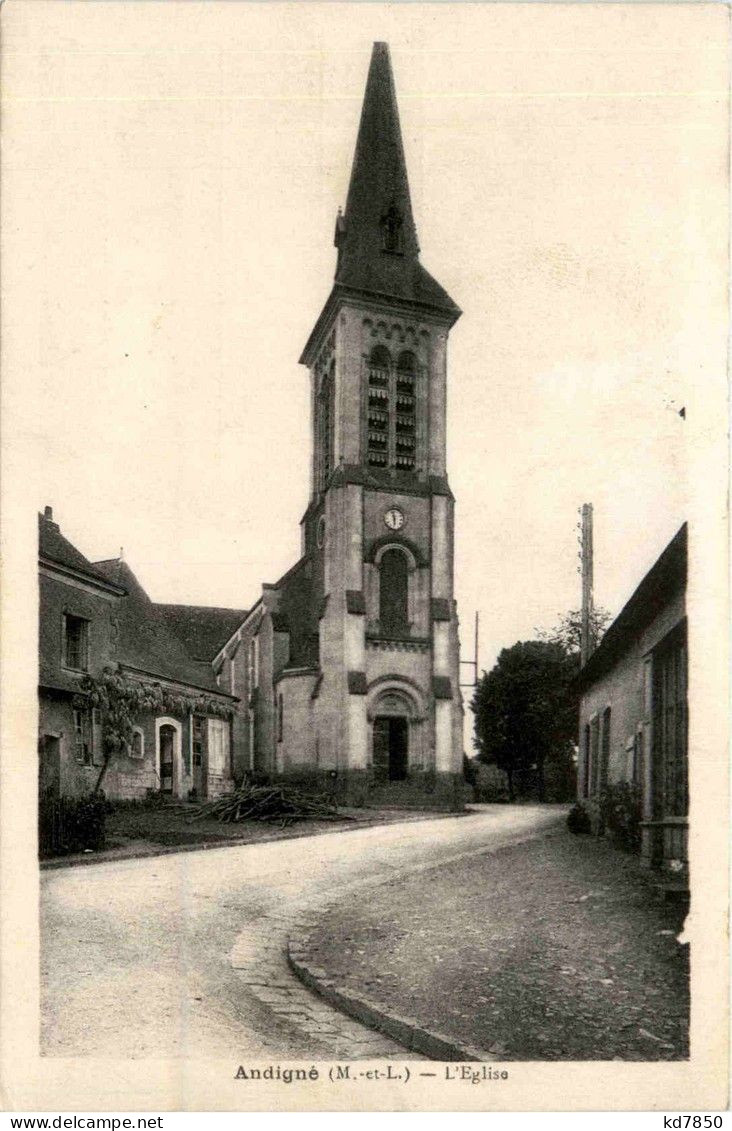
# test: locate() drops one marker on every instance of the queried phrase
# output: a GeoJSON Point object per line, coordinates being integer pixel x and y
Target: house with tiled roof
{"type": "Point", "coordinates": [205, 629]}
{"type": "Point", "coordinates": [97, 621]}
{"type": "Point", "coordinates": [344, 672]}
{"type": "Point", "coordinates": [634, 709]}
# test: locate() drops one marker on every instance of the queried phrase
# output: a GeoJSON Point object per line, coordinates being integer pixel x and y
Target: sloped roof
{"type": "Point", "coordinates": [297, 614]}
{"type": "Point", "coordinates": [146, 641]}
{"type": "Point", "coordinates": [53, 545]}
{"type": "Point", "coordinates": [662, 582]}
{"type": "Point", "coordinates": [379, 186]}
{"type": "Point", "coordinates": [379, 183]}
{"type": "Point", "coordinates": [204, 630]}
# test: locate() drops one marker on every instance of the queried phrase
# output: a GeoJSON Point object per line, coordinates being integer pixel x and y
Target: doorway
{"type": "Point", "coordinates": [391, 748]}
{"type": "Point", "coordinates": [49, 765]}
{"type": "Point", "coordinates": [199, 756]}
{"type": "Point", "coordinates": [167, 755]}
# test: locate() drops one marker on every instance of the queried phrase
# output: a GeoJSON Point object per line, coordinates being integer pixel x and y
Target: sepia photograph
{"type": "Point", "coordinates": [365, 613]}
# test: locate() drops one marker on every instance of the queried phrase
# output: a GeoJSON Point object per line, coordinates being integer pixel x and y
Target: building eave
{"type": "Point", "coordinates": [223, 654]}
{"type": "Point", "coordinates": [169, 681]}
{"type": "Point", "coordinates": [663, 582]}
{"type": "Point", "coordinates": [77, 575]}
{"type": "Point", "coordinates": [343, 295]}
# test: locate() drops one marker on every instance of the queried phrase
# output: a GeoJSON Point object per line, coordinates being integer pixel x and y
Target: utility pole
{"type": "Point", "coordinates": [587, 635]}
{"type": "Point", "coordinates": [474, 662]}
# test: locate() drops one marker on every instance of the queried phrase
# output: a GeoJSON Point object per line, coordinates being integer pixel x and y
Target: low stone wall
{"type": "Point", "coordinates": [447, 792]}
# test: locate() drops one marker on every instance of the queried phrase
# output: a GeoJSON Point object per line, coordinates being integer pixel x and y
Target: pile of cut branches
{"type": "Point", "coordinates": [269, 803]}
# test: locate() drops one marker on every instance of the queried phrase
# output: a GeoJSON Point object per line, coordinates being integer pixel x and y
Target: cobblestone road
{"type": "Point", "coordinates": [183, 955]}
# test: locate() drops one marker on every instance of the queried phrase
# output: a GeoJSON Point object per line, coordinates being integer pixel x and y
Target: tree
{"type": "Point", "coordinates": [526, 711]}
{"type": "Point", "coordinates": [568, 630]}
{"type": "Point", "coordinates": [526, 708]}
{"type": "Point", "coordinates": [120, 700]}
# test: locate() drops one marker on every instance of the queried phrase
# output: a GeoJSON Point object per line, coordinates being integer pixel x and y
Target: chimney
{"type": "Point", "coordinates": [48, 514]}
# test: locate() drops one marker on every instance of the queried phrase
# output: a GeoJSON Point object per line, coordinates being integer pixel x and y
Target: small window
{"type": "Point", "coordinates": [76, 642]}
{"type": "Point", "coordinates": [97, 747]}
{"type": "Point", "coordinates": [137, 746]}
{"type": "Point", "coordinates": [594, 754]}
{"type": "Point", "coordinates": [82, 744]}
{"type": "Point", "coordinates": [253, 664]}
{"type": "Point", "coordinates": [198, 734]}
{"type": "Point", "coordinates": [252, 728]}
{"type": "Point", "coordinates": [605, 748]}
{"type": "Point", "coordinates": [638, 758]}
{"type": "Point", "coordinates": [326, 415]}
{"type": "Point", "coordinates": [392, 224]}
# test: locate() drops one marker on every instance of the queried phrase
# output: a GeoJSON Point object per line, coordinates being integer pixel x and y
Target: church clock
{"type": "Point", "coordinates": [394, 518]}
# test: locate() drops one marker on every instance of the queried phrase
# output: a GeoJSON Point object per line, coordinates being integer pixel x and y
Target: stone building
{"type": "Point", "coordinates": [345, 671]}
{"type": "Point", "coordinates": [96, 617]}
{"type": "Point", "coordinates": [347, 667]}
{"type": "Point", "coordinates": [633, 708]}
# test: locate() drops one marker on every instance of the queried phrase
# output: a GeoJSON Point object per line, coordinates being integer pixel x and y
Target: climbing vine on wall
{"type": "Point", "coordinates": [120, 699]}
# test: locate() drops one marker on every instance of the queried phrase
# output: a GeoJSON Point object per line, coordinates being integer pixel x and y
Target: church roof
{"type": "Point", "coordinates": [146, 641]}
{"type": "Point", "coordinates": [203, 629]}
{"type": "Point", "coordinates": [376, 237]}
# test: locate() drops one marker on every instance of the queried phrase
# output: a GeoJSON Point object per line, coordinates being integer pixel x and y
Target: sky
{"type": "Point", "coordinates": [171, 181]}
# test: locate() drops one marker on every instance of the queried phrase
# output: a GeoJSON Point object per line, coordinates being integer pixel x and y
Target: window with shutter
{"type": "Point", "coordinates": [391, 424]}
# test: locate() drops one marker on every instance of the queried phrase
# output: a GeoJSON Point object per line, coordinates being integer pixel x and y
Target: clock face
{"type": "Point", "coordinates": [394, 518]}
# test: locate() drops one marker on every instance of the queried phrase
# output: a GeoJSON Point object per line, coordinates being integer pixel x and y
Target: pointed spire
{"type": "Point", "coordinates": [376, 238]}
{"type": "Point", "coordinates": [379, 180]}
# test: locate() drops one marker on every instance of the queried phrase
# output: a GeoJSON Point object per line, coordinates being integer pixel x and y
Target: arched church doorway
{"type": "Point", "coordinates": [391, 748]}
{"type": "Point", "coordinates": [396, 717]}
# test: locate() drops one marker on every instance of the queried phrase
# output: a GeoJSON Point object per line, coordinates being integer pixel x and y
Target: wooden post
{"type": "Point", "coordinates": [587, 636]}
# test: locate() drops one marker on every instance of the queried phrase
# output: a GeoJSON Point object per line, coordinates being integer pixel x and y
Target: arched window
{"type": "Point", "coordinates": [326, 397]}
{"type": "Point", "coordinates": [394, 592]}
{"type": "Point", "coordinates": [137, 746]}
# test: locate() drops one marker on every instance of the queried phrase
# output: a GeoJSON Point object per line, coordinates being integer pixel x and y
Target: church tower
{"type": "Point", "coordinates": [383, 713]}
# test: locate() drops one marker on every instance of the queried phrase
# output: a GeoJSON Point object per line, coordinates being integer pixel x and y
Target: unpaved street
{"type": "Point", "coordinates": [183, 955]}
